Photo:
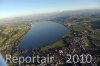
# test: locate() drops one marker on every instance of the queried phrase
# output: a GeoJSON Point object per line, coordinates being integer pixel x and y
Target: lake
{"type": "Point", "coordinates": [96, 24]}
{"type": "Point", "coordinates": [42, 34]}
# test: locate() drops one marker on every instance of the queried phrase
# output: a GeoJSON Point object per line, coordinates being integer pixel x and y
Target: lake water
{"type": "Point", "coordinates": [42, 34]}
{"type": "Point", "coordinates": [96, 24]}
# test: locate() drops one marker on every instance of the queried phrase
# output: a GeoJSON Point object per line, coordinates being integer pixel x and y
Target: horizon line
{"type": "Point", "coordinates": [31, 14]}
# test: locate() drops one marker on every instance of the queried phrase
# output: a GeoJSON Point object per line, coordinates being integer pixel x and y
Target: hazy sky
{"type": "Point", "coordinates": [12, 8]}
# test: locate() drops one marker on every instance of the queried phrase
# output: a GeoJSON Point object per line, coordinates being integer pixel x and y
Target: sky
{"type": "Point", "coordinates": [14, 8]}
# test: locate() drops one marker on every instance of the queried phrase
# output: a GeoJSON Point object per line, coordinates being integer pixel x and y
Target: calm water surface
{"type": "Point", "coordinates": [42, 34]}
{"type": "Point", "coordinates": [96, 24]}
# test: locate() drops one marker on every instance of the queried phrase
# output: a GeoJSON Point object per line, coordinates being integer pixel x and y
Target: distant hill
{"type": "Point", "coordinates": [50, 16]}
